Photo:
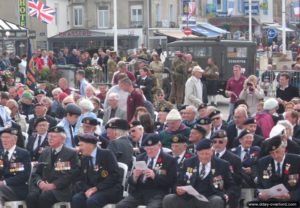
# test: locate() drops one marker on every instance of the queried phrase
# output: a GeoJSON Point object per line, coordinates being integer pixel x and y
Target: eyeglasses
{"type": "Point", "coordinates": [132, 131]}
{"type": "Point", "coordinates": [218, 141]}
{"type": "Point", "coordinates": [298, 110]}
{"type": "Point", "coordinates": [217, 118]}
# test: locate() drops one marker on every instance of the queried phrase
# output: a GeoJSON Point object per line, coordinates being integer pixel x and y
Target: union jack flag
{"type": "Point", "coordinates": [40, 11]}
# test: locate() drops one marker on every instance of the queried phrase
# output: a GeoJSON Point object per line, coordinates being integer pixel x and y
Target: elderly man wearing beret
{"type": "Point", "coordinates": [57, 166]}
{"type": "Point", "coordinates": [119, 142]}
{"type": "Point", "coordinates": [14, 168]}
{"type": "Point", "coordinates": [150, 184]}
{"type": "Point", "coordinates": [208, 175]}
{"type": "Point", "coordinates": [100, 180]}
{"type": "Point", "coordinates": [279, 168]}
{"type": "Point", "coordinates": [37, 142]}
{"type": "Point", "coordinates": [197, 134]}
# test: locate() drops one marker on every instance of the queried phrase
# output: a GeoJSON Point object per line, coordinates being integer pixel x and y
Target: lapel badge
{"type": "Point", "coordinates": [104, 173]}
{"type": "Point", "coordinates": [150, 142]}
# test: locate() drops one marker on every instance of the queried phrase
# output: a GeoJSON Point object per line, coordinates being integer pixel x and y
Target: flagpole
{"type": "Point", "coordinates": [283, 28]}
{"type": "Point", "coordinates": [250, 20]}
{"type": "Point", "coordinates": [115, 27]}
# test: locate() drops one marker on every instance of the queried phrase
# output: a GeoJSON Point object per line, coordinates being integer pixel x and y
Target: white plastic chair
{"type": "Point", "coordinates": [15, 204]}
{"type": "Point", "coordinates": [26, 138]}
{"type": "Point", "coordinates": [247, 194]}
{"type": "Point", "coordinates": [166, 150]}
{"type": "Point", "coordinates": [62, 205]}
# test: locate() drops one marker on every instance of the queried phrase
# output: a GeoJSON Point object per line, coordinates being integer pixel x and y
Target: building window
{"type": "Point", "coordinates": [56, 14]}
{"type": "Point", "coordinates": [136, 15]}
{"type": "Point", "coordinates": [78, 15]}
{"type": "Point", "coordinates": [219, 5]}
{"type": "Point", "coordinates": [103, 17]}
{"type": "Point", "coordinates": [157, 10]}
{"type": "Point", "coordinates": [171, 13]}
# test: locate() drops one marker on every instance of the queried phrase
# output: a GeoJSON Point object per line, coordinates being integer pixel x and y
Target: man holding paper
{"type": "Point", "coordinates": [208, 175]}
{"type": "Point", "coordinates": [153, 176]}
{"type": "Point", "coordinates": [278, 168]}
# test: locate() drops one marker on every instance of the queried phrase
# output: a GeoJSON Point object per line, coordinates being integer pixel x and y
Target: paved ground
{"type": "Point", "coordinates": [223, 105]}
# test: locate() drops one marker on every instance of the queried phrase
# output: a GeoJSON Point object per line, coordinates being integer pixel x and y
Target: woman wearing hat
{"type": "Point", "coordinates": [157, 66]}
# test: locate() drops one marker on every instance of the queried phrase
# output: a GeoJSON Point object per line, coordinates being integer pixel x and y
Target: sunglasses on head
{"type": "Point", "coordinates": [218, 141]}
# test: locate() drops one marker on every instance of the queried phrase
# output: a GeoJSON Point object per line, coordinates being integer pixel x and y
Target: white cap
{"type": "Point", "coordinates": [197, 69]}
{"type": "Point", "coordinates": [173, 115]}
{"type": "Point", "coordinates": [277, 130]}
{"type": "Point", "coordinates": [270, 104]}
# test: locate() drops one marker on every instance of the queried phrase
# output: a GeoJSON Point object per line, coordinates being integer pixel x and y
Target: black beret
{"type": "Point", "coordinates": [274, 143]}
{"type": "Point", "coordinates": [183, 107]}
{"type": "Point", "coordinates": [218, 134]}
{"type": "Point", "coordinates": [90, 120]}
{"type": "Point", "coordinates": [249, 121]}
{"type": "Point", "coordinates": [200, 129]}
{"type": "Point", "coordinates": [135, 124]}
{"type": "Point", "coordinates": [201, 106]}
{"type": "Point", "coordinates": [73, 109]}
{"type": "Point", "coordinates": [39, 92]}
{"type": "Point", "coordinates": [57, 129]}
{"type": "Point", "coordinates": [118, 124]}
{"type": "Point", "coordinates": [243, 133]}
{"type": "Point", "coordinates": [10, 131]}
{"type": "Point", "coordinates": [179, 139]}
{"type": "Point", "coordinates": [214, 113]}
{"type": "Point", "coordinates": [204, 121]}
{"type": "Point", "coordinates": [150, 140]}
{"type": "Point", "coordinates": [39, 120]}
{"type": "Point", "coordinates": [88, 138]}
{"type": "Point", "coordinates": [203, 144]}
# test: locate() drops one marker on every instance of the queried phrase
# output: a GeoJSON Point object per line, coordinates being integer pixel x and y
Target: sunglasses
{"type": "Point", "coordinates": [218, 141]}
{"type": "Point", "coordinates": [132, 131]}
{"type": "Point", "coordinates": [217, 118]}
{"type": "Point", "coordinates": [298, 110]}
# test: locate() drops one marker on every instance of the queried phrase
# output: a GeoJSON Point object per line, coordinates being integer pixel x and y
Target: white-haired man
{"type": "Point", "coordinates": [113, 110]}
{"type": "Point", "coordinates": [194, 88]}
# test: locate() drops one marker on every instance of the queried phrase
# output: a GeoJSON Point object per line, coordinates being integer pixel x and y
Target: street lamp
{"type": "Point", "coordinates": [115, 27]}
{"type": "Point", "coordinates": [283, 28]}
{"type": "Point", "coordinates": [7, 34]}
{"type": "Point", "coordinates": [250, 20]}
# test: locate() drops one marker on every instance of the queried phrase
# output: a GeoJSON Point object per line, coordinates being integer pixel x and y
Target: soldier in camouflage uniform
{"type": "Point", "coordinates": [190, 64]}
{"type": "Point", "coordinates": [111, 65]}
{"type": "Point", "coordinates": [179, 77]}
{"type": "Point", "coordinates": [211, 75]}
{"type": "Point", "coordinates": [160, 102]}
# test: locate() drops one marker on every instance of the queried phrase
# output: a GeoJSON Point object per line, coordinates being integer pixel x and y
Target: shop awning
{"type": "Point", "coordinates": [277, 27]}
{"type": "Point", "coordinates": [9, 26]}
{"type": "Point", "coordinates": [201, 31]}
{"type": "Point", "coordinates": [177, 34]}
{"type": "Point", "coordinates": [212, 27]}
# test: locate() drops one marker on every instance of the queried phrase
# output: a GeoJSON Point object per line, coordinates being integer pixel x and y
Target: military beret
{"type": "Point", "coordinates": [203, 144]}
{"type": "Point", "coordinates": [183, 107]}
{"type": "Point", "coordinates": [73, 109]}
{"type": "Point", "coordinates": [135, 124]}
{"type": "Point", "coordinates": [57, 129]}
{"type": "Point", "coordinates": [39, 92]}
{"type": "Point", "coordinates": [90, 120]}
{"type": "Point", "coordinates": [200, 129]}
{"type": "Point", "coordinates": [219, 134]}
{"type": "Point", "coordinates": [243, 133]}
{"type": "Point", "coordinates": [214, 113]}
{"type": "Point", "coordinates": [88, 138]}
{"type": "Point", "coordinates": [204, 121]}
{"type": "Point", "coordinates": [249, 121]}
{"type": "Point", "coordinates": [118, 124]}
{"type": "Point", "coordinates": [12, 131]}
{"type": "Point", "coordinates": [178, 139]}
{"type": "Point", "coordinates": [150, 140]}
{"type": "Point", "coordinates": [39, 120]}
{"type": "Point", "coordinates": [274, 143]}
{"type": "Point", "coordinates": [201, 106]}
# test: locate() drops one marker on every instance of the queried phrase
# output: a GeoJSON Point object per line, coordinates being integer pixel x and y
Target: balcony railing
{"type": "Point", "coordinates": [136, 24]}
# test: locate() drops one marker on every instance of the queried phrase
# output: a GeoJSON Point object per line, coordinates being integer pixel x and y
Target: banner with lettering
{"type": "Point", "coordinates": [22, 12]}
